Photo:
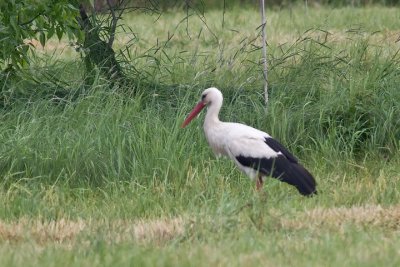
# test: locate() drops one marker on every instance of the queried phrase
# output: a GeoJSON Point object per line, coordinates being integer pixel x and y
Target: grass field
{"type": "Point", "coordinates": [110, 179]}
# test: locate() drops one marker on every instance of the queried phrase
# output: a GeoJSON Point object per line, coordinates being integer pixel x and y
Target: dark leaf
{"type": "Point", "coordinates": [42, 38]}
{"type": "Point", "coordinates": [59, 32]}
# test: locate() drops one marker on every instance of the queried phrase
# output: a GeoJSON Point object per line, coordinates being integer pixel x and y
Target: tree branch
{"type": "Point", "coordinates": [30, 21]}
{"type": "Point", "coordinates": [114, 20]}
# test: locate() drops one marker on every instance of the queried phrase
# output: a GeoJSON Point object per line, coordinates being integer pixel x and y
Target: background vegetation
{"type": "Point", "coordinates": [212, 4]}
{"type": "Point", "coordinates": [99, 173]}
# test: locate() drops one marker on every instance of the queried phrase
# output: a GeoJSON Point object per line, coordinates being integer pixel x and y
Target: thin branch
{"type": "Point", "coordinates": [187, 6]}
{"type": "Point", "coordinates": [264, 49]}
{"type": "Point", "coordinates": [121, 8]}
{"type": "Point", "coordinates": [202, 18]}
{"type": "Point", "coordinates": [84, 20]}
{"type": "Point", "coordinates": [223, 14]}
{"type": "Point", "coordinates": [113, 23]}
{"type": "Point", "coordinates": [142, 8]}
{"type": "Point", "coordinates": [30, 21]}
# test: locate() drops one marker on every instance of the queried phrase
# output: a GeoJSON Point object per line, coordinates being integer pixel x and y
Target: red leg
{"type": "Point", "coordinates": [259, 183]}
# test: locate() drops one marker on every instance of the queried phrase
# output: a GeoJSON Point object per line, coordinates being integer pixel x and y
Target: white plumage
{"type": "Point", "coordinates": [254, 152]}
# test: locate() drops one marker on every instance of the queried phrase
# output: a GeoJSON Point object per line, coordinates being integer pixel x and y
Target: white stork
{"type": "Point", "coordinates": [254, 152]}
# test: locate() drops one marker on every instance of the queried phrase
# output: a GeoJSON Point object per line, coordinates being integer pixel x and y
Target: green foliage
{"type": "Point", "coordinates": [23, 21]}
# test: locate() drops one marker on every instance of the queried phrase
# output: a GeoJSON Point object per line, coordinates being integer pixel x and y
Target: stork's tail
{"type": "Point", "coordinates": [301, 179]}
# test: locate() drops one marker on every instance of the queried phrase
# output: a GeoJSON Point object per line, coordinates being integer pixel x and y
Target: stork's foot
{"type": "Point", "coordinates": [259, 185]}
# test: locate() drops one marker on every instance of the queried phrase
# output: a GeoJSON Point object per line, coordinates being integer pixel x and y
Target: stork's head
{"type": "Point", "coordinates": [208, 97]}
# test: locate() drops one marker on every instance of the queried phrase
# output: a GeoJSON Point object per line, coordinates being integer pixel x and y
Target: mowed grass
{"type": "Point", "coordinates": [110, 179]}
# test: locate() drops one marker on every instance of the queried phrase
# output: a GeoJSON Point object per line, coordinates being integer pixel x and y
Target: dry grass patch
{"type": "Point", "coordinates": [66, 231]}
{"type": "Point", "coordinates": [337, 218]}
{"type": "Point", "coordinates": [41, 231]}
{"type": "Point", "coordinates": [155, 231]}
{"type": "Point", "coordinates": [158, 231]}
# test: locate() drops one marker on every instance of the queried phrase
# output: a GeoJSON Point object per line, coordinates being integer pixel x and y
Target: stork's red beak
{"type": "Point", "coordinates": [196, 110]}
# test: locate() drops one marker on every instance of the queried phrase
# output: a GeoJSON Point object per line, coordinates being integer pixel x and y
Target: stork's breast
{"type": "Point", "coordinates": [216, 142]}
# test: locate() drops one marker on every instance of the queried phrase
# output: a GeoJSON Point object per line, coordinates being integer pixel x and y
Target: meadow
{"type": "Point", "coordinates": [105, 176]}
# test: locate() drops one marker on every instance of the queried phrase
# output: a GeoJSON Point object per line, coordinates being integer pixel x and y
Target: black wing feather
{"type": "Point", "coordinates": [278, 147]}
{"type": "Point", "coordinates": [284, 167]}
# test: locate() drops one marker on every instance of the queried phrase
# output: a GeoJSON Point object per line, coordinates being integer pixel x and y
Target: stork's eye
{"type": "Point", "coordinates": [203, 96]}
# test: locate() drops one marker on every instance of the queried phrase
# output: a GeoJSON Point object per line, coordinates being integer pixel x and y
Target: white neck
{"type": "Point", "coordinates": [213, 111]}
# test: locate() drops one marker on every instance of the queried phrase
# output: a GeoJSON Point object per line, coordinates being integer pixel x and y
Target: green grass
{"type": "Point", "coordinates": [108, 178]}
